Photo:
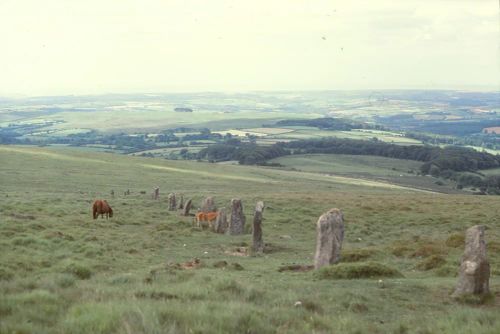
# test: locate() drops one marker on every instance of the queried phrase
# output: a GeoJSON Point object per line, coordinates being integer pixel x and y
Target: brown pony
{"type": "Point", "coordinates": [206, 217]}
{"type": "Point", "coordinates": [101, 207]}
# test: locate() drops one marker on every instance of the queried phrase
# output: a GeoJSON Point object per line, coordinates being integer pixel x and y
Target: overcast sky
{"type": "Point", "coordinates": [55, 47]}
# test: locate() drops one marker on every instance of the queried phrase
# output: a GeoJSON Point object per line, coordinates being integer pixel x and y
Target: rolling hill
{"type": "Point", "coordinates": [63, 272]}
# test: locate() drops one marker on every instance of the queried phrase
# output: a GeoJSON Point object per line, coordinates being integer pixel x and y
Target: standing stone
{"type": "Point", "coordinates": [258, 243]}
{"type": "Point", "coordinates": [220, 225]}
{"type": "Point", "coordinates": [208, 205]}
{"type": "Point", "coordinates": [474, 273]}
{"type": "Point", "coordinates": [330, 234]}
{"type": "Point", "coordinates": [237, 222]}
{"type": "Point", "coordinates": [181, 202]}
{"type": "Point", "coordinates": [172, 205]}
{"type": "Point", "coordinates": [156, 193]}
{"type": "Point", "coordinates": [187, 207]}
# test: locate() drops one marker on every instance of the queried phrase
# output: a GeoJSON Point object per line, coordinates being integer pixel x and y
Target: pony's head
{"type": "Point", "coordinates": [110, 212]}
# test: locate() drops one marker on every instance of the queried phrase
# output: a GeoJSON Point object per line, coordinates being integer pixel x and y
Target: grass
{"type": "Point", "coordinates": [311, 132]}
{"type": "Point", "coordinates": [392, 171]}
{"type": "Point", "coordinates": [357, 270]}
{"type": "Point", "coordinates": [63, 272]}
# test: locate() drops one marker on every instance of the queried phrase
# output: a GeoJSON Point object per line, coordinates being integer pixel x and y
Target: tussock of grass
{"type": "Point", "coordinates": [357, 270]}
{"type": "Point", "coordinates": [65, 281]}
{"type": "Point", "coordinates": [122, 279]}
{"type": "Point", "coordinates": [156, 295]}
{"type": "Point", "coordinates": [493, 246]}
{"type": "Point", "coordinates": [417, 248]}
{"type": "Point", "coordinates": [456, 240]}
{"type": "Point", "coordinates": [356, 255]}
{"type": "Point", "coordinates": [471, 299]}
{"type": "Point", "coordinates": [431, 262]}
{"type": "Point", "coordinates": [447, 271]}
{"type": "Point", "coordinates": [428, 249]}
{"type": "Point", "coordinates": [92, 318]}
{"type": "Point", "coordinates": [400, 249]}
{"type": "Point", "coordinates": [312, 306]}
{"type": "Point", "coordinates": [78, 270]}
{"type": "Point", "coordinates": [6, 274]}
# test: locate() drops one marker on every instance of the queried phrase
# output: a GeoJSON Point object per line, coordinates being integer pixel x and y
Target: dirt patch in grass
{"type": "Point", "coordinates": [193, 264]}
{"type": "Point", "coordinates": [238, 251]}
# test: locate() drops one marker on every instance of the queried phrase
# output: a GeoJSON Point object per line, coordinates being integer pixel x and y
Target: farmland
{"type": "Point", "coordinates": [393, 171]}
{"type": "Point", "coordinates": [61, 271]}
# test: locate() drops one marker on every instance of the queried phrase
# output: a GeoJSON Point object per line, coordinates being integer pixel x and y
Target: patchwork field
{"type": "Point", "coordinates": [305, 132]}
{"type": "Point", "coordinates": [63, 272]}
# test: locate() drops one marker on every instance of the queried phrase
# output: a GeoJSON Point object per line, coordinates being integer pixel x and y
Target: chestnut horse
{"type": "Point", "coordinates": [101, 207]}
{"type": "Point", "coordinates": [206, 217]}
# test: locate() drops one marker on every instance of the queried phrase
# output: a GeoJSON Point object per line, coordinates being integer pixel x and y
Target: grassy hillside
{"type": "Point", "coordinates": [394, 171]}
{"type": "Point", "coordinates": [62, 272]}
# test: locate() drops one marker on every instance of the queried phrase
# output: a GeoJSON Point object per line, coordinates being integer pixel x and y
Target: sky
{"type": "Point", "coordinates": [63, 47]}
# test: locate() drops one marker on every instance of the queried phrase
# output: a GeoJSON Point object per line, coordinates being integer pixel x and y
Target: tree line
{"type": "Point", "coordinates": [450, 162]}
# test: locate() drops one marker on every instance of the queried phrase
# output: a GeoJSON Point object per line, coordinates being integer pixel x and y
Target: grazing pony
{"type": "Point", "coordinates": [208, 217]}
{"type": "Point", "coordinates": [101, 207]}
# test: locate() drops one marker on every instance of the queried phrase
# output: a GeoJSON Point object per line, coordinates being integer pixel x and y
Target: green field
{"type": "Point", "coordinates": [63, 272]}
{"type": "Point", "coordinates": [137, 120]}
{"type": "Point", "coordinates": [393, 171]}
{"type": "Point", "coordinates": [304, 132]}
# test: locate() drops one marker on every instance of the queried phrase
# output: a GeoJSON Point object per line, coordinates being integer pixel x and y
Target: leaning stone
{"type": "Point", "coordinates": [187, 207]}
{"type": "Point", "coordinates": [220, 225]}
{"type": "Point", "coordinates": [330, 234]}
{"type": "Point", "coordinates": [237, 222]}
{"type": "Point", "coordinates": [181, 202]}
{"type": "Point", "coordinates": [258, 243]}
{"type": "Point", "coordinates": [172, 205]}
{"type": "Point", "coordinates": [156, 193]}
{"type": "Point", "coordinates": [208, 205]}
{"type": "Point", "coordinates": [474, 273]}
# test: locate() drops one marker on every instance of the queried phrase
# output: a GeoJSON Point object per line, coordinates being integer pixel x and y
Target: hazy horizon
{"type": "Point", "coordinates": [58, 48]}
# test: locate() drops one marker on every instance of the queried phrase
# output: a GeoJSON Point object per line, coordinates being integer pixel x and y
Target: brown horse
{"type": "Point", "coordinates": [101, 207]}
{"type": "Point", "coordinates": [208, 217]}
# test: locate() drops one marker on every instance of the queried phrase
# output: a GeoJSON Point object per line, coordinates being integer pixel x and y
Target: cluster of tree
{"type": "Point", "coordinates": [460, 128]}
{"type": "Point", "coordinates": [329, 123]}
{"type": "Point", "coordinates": [183, 110]}
{"type": "Point", "coordinates": [485, 184]}
{"type": "Point", "coordinates": [436, 160]}
{"type": "Point", "coordinates": [489, 141]}
{"type": "Point", "coordinates": [244, 153]}
{"type": "Point", "coordinates": [9, 136]}
{"type": "Point", "coordinates": [168, 136]}
{"type": "Point", "coordinates": [448, 158]}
